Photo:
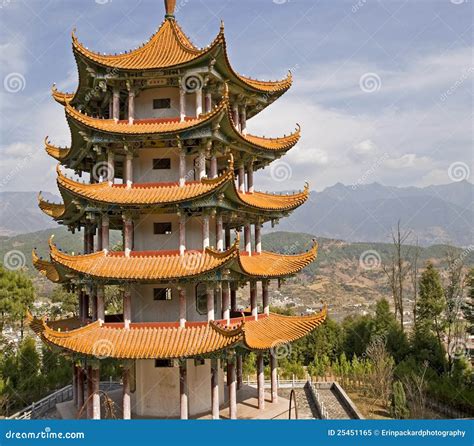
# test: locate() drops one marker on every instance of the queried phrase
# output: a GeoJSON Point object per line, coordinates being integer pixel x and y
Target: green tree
{"type": "Point", "coordinates": [385, 326]}
{"type": "Point", "coordinates": [468, 306]}
{"type": "Point", "coordinates": [327, 340]}
{"type": "Point", "coordinates": [431, 303]}
{"type": "Point", "coordinates": [358, 334]}
{"type": "Point", "coordinates": [384, 318]}
{"type": "Point", "coordinates": [16, 296]}
{"type": "Point", "coordinates": [67, 303]}
{"type": "Point", "coordinates": [398, 407]}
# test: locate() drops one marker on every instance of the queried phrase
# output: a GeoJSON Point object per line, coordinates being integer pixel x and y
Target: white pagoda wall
{"type": "Point", "coordinates": [143, 171]}
{"type": "Point", "coordinates": [146, 240]}
{"type": "Point", "coordinates": [146, 309]}
{"type": "Point", "coordinates": [157, 389]}
{"type": "Point", "coordinates": [144, 103]}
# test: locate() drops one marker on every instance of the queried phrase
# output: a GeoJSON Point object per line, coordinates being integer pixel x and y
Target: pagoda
{"type": "Point", "coordinates": [160, 135]}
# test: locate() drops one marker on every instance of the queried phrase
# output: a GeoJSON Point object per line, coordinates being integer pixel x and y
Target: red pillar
{"type": "Point", "coordinates": [95, 393]}
{"type": "Point", "coordinates": [266, 303]}
{"type": "Point", "coordinates": [260, 382]}
{"type": "Point", "coordinates": [127, 306]}
{"type": "Point", "coordinates": [90, 391]}
{"type": "Point", "coordinates": [80, 387]}
{"type": "Point", "coordinates": [232, 386]}
{"type": "Point", "coordinates": [240, 378]}
{"type": "Point", "coordinates": [274, 377]}
{"type": "Point", "coordinates": [183, 390]}
{"type": "Point", "coordinates": [126, 404]}
{"type": "Point", "coordinates": [74, 383]}
{"type": "Point", "coordinates": [253, 299]}
{"type": "Point", "coordinates": [233, 298]}
{"type": "Point", "coordinates": [215, 389]}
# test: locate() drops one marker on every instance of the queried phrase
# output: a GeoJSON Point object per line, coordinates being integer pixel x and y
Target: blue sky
{"type": "Point", "coordinates": [382, 89]}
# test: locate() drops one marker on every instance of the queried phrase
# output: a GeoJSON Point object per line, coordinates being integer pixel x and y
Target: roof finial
{"type": "Point", "coordinates": [169, 8]}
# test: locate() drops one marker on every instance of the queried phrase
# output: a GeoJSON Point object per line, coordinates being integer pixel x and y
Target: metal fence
{"type": "Point", "coordinates": [281, 383]}
{"type": "Point", "coordinates": [39, 408]}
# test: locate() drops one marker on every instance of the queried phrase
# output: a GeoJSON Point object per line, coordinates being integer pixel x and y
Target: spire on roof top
{"type": "Point", "coordinates": [169, 8]}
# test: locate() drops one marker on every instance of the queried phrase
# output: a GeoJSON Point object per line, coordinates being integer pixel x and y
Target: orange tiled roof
{"type": "Point", "coordinates": [142, 127]}
{"type": "Point", "coordinates": [262, 200]}
{"type": "Point", "coordinates": [156, 126]}
{"type": "Point", "coordinates": [268, 86]}
{"type": "Point", "coordinates": [56, 152]}
{"type": "Point", "coordinates": [168, 341]}
{"type": "Point", "coordinates": [271, 144]}
{"type": "Point", "coordinates": [138, 343]}
{"type": "Point", "coordinates": [168, 47]}
{"type": "Point", "coordinates": [142, 194]}
{"type": "Point", "coordinates": [282, 143]}
{"type": "Point", "coordinates": [46, 268]}
{"type": "Point", "coordinates": [276, 330]}
{"type": "Point", "coordinates": [54, 210]}
{"type": "Point", "coordinates": [146, 265]}
{"type": "Point", "coordinates": [168, 193]}
{"type": "Point", "coordinates": [169, 265]}
{"type": "Point", "coordinates": [270, 264]}
{"type": "Point", "coordinates": [61, 98]}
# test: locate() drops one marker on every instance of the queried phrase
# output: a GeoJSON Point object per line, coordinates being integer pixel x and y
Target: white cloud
{"type": "Point", "coordinates": [415, 131]}
{"type": "Point", "coordinates": [406, 161]}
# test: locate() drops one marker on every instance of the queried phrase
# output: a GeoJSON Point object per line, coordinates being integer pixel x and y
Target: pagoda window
{"type": "Point", "coordinates": [162, 228]}
{"type": "Point", "coordinates": [201, 298]}
{"type": "Point", "coordinates": [161, 163]}
{"type": "Point", "coordinates": [164, 363]}
{"type": "Point", "coordinates": [162, 294]}
{"type": "Point", "coordinates": [161, 103]}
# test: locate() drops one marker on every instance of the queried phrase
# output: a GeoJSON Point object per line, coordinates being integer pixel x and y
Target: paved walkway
{"type": "Point", "coordinates": [247, 407]}
{"type": "Point", "coordinates": [336, 410]}
{"type": "Point", "coordinates": [306, 408]}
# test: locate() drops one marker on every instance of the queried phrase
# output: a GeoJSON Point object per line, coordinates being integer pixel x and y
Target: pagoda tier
{"type": "Point", "coordinates": [170, 341]}
{"type": "Point", "coordinates": [213, 129]}
{"type": "Point", "coordinates": [220, 194]}
{"type": "Point", "coordinates": [161, 135]}
{"type": "Point", "coordinates": [166, 60]}
{"type": "Point", "coordinates": [169, 266]}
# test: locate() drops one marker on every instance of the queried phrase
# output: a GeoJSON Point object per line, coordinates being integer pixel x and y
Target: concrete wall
{"type": "Point", "coordinates": [145, 309]}
{"type": "Point", "coordinates": [144, 103]}
{"type": "Point", "coordinates": [143, 171]}
{"type": "Point", "coordinates": [157, 389]}
{"type": "Point", "coordinates": [145, 240]}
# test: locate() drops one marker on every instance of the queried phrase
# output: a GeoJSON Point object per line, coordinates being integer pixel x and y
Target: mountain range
{"type": "Point", "coordinates": [441, 214]}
